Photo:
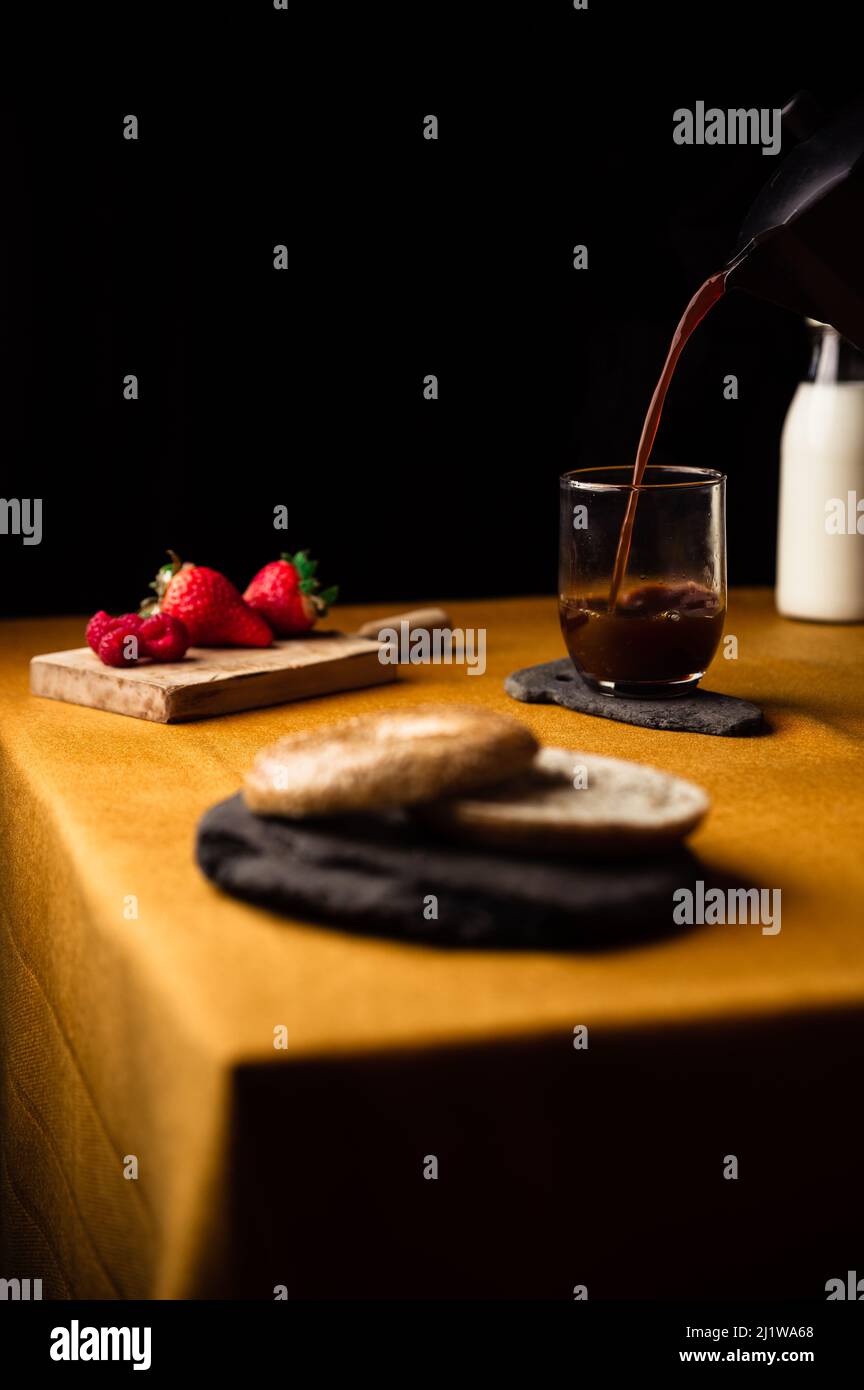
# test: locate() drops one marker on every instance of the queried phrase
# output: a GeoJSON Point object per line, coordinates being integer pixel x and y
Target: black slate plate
{"type": "Point", "coordinates": [703, 712]}
{"type": "Point", "coordinates": [374, 873]}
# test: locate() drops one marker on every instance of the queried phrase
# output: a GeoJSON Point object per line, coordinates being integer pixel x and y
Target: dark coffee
{"type": "Point", "coordinates": [658, 634]}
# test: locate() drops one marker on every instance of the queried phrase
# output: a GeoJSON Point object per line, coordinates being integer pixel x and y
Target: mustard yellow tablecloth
{"type": "Point", "coordinates": [153, 1036]}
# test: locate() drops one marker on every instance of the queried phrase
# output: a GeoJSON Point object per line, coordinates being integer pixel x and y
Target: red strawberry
{"type": "Point", "coordinates": [208, 604]}
{"type": "Point", "coordinates": [163, 637]}
{"type": "Point", "coordinates": [286, 592]}
{"type": "Point", "coordinates": [120, 644]}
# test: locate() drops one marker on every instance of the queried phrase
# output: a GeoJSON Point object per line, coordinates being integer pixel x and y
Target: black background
{"type": "Point", "coordinates": [406, 257]}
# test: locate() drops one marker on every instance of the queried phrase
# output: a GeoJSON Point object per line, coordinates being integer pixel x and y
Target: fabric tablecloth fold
{"type": "Point", "coordinates": [202, 1098]}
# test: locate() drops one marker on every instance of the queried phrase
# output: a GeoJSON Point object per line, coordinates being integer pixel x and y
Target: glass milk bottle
{"type": "Point", "coordinates": [820, 541]}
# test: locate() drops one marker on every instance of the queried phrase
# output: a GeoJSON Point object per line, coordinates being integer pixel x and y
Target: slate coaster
{"type": "Point", "coordinates": [373, 873]}
{"type": "Point", "coordinates": [703, 712]}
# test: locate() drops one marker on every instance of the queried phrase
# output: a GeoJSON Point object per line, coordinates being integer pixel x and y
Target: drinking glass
{"type": "Point", "coordinates": [654, 633]}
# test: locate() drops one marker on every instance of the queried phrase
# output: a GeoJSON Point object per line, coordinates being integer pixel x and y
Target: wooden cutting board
{"type": "Point", "coordinates": [212, 681]}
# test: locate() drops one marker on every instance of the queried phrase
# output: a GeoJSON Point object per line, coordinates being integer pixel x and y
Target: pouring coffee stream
{"type": "Point", "coordinates": [706, 296]}
{"type": "Point", "coordinates": [800, 247]}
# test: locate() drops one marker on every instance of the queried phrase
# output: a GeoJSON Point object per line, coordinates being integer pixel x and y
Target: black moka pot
{"type": "Point", "coordinates": [802, 244]}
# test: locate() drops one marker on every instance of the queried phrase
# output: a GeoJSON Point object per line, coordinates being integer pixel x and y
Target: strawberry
{"type": "Point", "coordinates": [212, 610]}
{"type": "Point", "coordinates": [286, 592]}
{"type": "Point", "coordinates": [163, 637]}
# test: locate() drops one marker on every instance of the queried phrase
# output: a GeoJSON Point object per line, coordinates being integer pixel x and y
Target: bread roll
{"type": "Point", "coordinates": [377, 761]}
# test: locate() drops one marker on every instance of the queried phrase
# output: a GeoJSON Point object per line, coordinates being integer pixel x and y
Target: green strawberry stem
{"type": "Point", "coordinates": [324, 601]}
{"type": "Point", "coordinates": [164, 575]}
{"type": "Point", "coordinates": [308, 584]}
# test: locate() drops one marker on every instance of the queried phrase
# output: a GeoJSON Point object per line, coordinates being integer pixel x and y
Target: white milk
{"type": "Point", "coordinates": [820, 566]}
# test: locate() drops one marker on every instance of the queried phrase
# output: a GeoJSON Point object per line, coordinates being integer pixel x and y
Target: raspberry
{"type": "Point", "coordinates": [132, 620]}
{"type": "Point", "coordinates": [102, 622]}
{"type": "Point", "coordinates": [97, 627]}
{"type": "Point", "coordinates": [163, 637]}
{"type": "Point", "coordinates": [119, 645]}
